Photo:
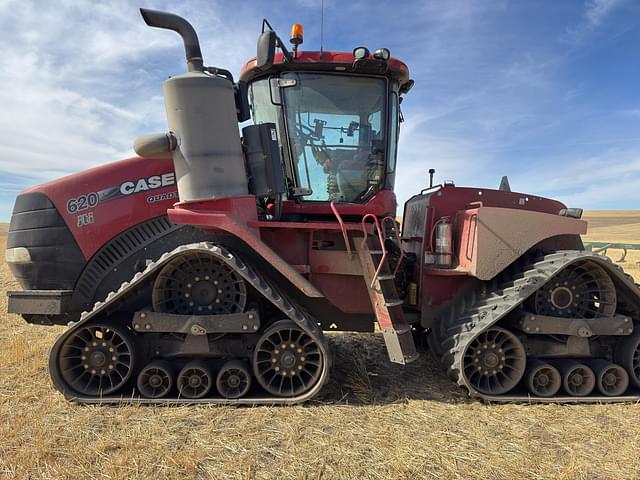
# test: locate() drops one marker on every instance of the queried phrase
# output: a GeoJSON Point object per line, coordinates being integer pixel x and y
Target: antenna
{"type": "Point", "coordinates": [321, 24]}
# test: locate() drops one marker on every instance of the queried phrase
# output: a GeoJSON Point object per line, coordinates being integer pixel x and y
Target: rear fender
{"type": "Point", "coordinates": [489, 239]}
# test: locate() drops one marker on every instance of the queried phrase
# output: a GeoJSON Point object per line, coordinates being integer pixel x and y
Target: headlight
{"type": "Point", "coordinates": [17, 255]}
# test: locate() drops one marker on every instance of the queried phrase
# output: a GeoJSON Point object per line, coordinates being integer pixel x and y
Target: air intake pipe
{"type": "Point", "coordinates": [155, 18]}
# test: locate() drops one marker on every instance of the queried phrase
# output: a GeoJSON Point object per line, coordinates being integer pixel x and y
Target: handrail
{"type": "Point", "coordinates": [395, 226]}
{"type": "Point", "coordinates": [342, 227]}
{"type": "Point", "coordinates": [380, 238]}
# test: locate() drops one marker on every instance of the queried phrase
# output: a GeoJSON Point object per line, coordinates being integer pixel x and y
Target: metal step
{"type": "Point", "coordinates": [400, 345]}
{"type": "Point", "coordinates": [389, 276]}
{"type": "Point", "coordinates": [394, 302]}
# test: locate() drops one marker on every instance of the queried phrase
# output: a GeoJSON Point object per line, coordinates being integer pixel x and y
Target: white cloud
{"type": "Point", "coordinates": [80, 80]}
{"type": "Point", "coordinates": [595, 12]}
{"type": "Point", "coordinates": [597, 182]}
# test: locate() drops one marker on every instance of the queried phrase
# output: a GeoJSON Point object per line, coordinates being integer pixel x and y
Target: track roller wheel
{"type": "Point", "coordinates": [287, 362]}
{"type": "Point", "coordinates": [542, 379]}
{"type": "Point", "coordinates": [494, 361]}
{"type": "Point", "coordinates": [611, 379]}
{"type": "Point", "coordinates": [578, 379]}
{"type": "Point", "coordinates": [627, 354]}
{"type": "Point", "coordinates": [194, 380]}
{"type": "Point", "coordinates": [155, 380]}
{"type": "Point", "coordinates": [234, 379]}
{"type": "Point", "coordinates": [97, 359]}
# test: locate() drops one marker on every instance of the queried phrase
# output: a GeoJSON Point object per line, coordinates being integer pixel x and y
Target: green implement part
{"type": "Point", "coordinates": [602, 247]}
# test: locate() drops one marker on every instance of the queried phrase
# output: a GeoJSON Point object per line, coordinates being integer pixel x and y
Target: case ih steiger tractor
{"type": "Point", "coordinates": [207, 268]}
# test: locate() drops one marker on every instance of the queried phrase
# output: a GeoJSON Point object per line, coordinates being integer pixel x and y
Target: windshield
{"type": "Point", "coordinates": [336, 128]}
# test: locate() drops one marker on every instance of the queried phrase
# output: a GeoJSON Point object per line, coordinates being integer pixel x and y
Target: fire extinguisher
{"type": "Point", "coordinates": [443, 249]}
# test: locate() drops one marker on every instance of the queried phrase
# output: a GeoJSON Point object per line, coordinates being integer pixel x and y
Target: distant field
{"type": "Point", "coordinates": [613, 226]}
{"type": "Point", "coordinates": [373, 420]}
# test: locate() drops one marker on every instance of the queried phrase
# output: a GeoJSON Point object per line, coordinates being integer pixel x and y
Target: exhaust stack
{"type": "Point", "coordinates": [158, 19]}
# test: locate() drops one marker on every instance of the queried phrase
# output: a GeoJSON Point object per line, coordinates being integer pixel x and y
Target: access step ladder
{"type": "Point", "coordinates": [384, 296]}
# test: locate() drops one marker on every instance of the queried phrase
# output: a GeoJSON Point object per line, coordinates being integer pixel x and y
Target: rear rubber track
{"type": "Point", "coordinates": [467, 318]}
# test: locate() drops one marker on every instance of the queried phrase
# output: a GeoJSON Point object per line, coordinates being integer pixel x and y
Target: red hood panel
{"type": "Point", "coordinates": [101, 202]}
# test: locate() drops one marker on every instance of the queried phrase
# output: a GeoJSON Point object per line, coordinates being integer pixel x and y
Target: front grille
{"type": "Point", "coordinates": [56, 260]}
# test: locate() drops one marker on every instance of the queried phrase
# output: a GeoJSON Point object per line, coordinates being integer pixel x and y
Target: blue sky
{"type": "Point", "coordinates": [546, 92]}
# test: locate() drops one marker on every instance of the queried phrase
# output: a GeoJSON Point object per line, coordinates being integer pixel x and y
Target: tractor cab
{"type": "Point", "coordinates": [336, 114]}
{"type": "Point", "coordinates": [325, 127]}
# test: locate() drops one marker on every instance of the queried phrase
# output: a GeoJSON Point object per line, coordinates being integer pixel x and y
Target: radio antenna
{"type": "Point", "coordinates": [321, 24]}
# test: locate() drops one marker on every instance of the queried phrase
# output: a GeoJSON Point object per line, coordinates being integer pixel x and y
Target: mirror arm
{"type": "Point", "coordinates": [287, 55]}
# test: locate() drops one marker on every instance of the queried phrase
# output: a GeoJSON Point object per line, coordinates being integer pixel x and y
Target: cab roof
{"type": "Point", "coordinates": [329, 62]}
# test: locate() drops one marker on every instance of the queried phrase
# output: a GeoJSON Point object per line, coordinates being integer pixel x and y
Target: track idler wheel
{"type": "Point", "coordinates": [627, 354]}
{"type": "Point", "coordinates": [198, 284]}
{"type": "Point", "coordinates": [581, 290]}
{"type": "Point", "coordinates": [155, 380]}
{"type": "Point", "coordinates": [611, 379]}
{"type": "Point", "coordinates": [194, 380]}
{"type": "Point", "coordinates": [578, 379]}
{"type": "Point", "coordinates": [234, 379]}
{"type": "Point", "coordinates": [542, 379]}
{"type": "Point", "coordinates": [287, 362]}
{"type": "Point", "coordinates": [494, 361]}
{"type": "Point", "coordinates": [97, 359]}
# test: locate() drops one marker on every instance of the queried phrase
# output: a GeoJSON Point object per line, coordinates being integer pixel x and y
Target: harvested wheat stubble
{"type": "Point", "coordinates": [373, 420]}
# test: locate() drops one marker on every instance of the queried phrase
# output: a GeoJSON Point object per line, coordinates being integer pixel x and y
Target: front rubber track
{"type": "Point", "coordinates": [106, 311]}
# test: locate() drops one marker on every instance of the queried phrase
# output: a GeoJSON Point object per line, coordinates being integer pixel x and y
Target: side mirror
{"type": "Point", "coordinates": [266, 50]}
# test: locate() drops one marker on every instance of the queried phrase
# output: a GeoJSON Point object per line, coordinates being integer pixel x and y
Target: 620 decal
{"type": "Point", "coordinates": [82, 202]}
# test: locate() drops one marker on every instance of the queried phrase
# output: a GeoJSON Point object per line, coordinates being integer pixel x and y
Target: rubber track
{"type": "Point", "coordinates": [468, 317]}
{"type": "Point", "coordinates": [271, 293]}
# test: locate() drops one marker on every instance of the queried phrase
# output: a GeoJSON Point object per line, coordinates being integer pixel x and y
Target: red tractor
{"type": "Point", "coordinates": [207, 268]}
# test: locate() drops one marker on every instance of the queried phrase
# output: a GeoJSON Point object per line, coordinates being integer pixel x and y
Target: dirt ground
{"type": "Point", "coordinates": [373, 420]}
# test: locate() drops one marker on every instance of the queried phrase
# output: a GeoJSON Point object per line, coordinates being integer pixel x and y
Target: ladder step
{"type": "Point", "coordinates": [403, 330]}
{"type": "Point", "coordinates": [411, 358]}
{"type": "Point", "coordinates": [394, 302]}
{"type": "Point", "coordinates": [388, 276]}
{"type": "Point", "coordinates": [376, 252]}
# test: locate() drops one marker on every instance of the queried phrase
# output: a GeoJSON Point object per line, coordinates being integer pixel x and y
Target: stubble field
{"type": "Point", "coordinates": [373, 420]}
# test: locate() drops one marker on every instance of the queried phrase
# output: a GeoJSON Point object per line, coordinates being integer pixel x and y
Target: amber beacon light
{"type": "Point", "coordinates": [296, 36]}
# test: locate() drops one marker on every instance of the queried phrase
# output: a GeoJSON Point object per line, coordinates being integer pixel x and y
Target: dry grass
{"type": "Point", "coordinates": [374, 420]}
